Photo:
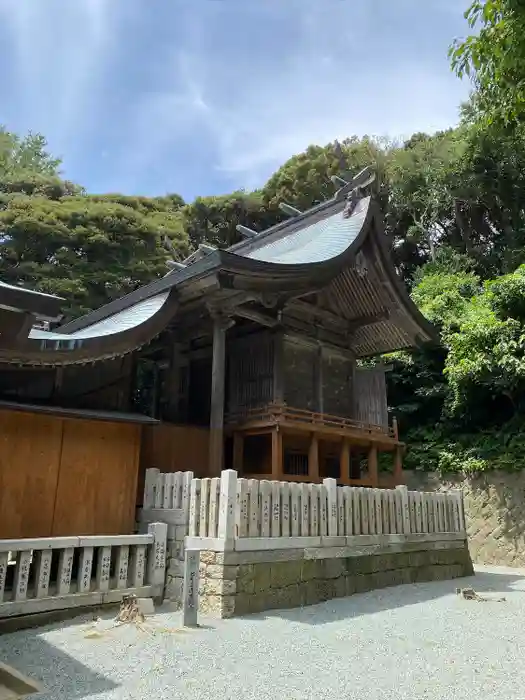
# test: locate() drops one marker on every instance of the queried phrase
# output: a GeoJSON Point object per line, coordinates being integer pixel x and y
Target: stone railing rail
{"type": "Point", "coordinates": [52, 573]}
{"type": "Point", "coordinates": [167, 491]}
{"type": "Point", "coordinates": [229, 508]}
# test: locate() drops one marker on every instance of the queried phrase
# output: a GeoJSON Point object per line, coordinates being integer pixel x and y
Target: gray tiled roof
{"type": "Point", "coordinates": [117, 323]}
{"type": "Point", "coordinates": [31, 292]}
{"type": "Point", "coordinates": [317, 242]}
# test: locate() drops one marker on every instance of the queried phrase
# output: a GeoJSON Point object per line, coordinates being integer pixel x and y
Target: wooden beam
{"type": "Point", "coordinates": [277, 455]}
{"type": "Point", "coordinates": [343, 325]}
{"type": "Point", "coordinates": [218, 373]}
{"type": "Point", "coordinates": [313, 459]}
{"type": "Point", "coordinates": [373, 474]}
{"type": "Point", "coordinates": [315, 333]}
{"type": "Point", "coordinates": [257, 316]}
{"type": "Point", "coordinates": [344, 460]}
{"type": "Point", "coordinates": [328, 348]}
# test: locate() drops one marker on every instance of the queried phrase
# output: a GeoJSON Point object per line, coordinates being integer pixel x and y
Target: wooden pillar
{"type": "Point", "coordinates": [318, 381]}
{"type": "Point", "coordinates": [218, 375]}
{"type": "Point", "coordinates": [155, 392]}
{"type": "Point", "coordinates": [278, 368]}
{"type": "Point", "coordinates": [398, 465]}
{"type": "Point", "coordinates": [277, 454]}
{"type": "Point", "coordinates": [373, 474]}
{"type": "Point", "coordinates": [313, 459]}
{"type": "Point", "coordinates": [344, 461]}
{"type": "Point", "coordinates": [238, 452]}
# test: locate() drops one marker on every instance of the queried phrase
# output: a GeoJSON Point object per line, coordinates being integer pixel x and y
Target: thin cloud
{"type": "Point", "coordinates": [199, 96]}
{"type": "Point", "coordinates": [62, 51]}
{"type": "Point", "coordinates": [332, 82]}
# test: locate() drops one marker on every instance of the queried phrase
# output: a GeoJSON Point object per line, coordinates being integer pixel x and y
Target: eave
{"type": "Point", "coordinates": [318, 248]}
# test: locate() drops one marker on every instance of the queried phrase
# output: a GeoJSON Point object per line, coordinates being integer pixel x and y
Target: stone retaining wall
{"type": "Point", "coordinates": [494, 505]}
{"type": "Point", "coordinates": [237, 583]}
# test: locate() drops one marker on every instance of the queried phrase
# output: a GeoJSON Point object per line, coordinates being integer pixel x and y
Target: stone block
{"type": "Point", "coordinates": [310, 592]}
{"type": "Point", "coordinates": [381, 579]}
{"type": "Point", "coordinates": [288, 597]}
{"type": "Point", "coordinates": [217, 586]}
{"type": "Point", "coordinates": [261, 577]}
{"type": "Point", "coordinates": [228, 573]}
{"type": "Point", "coordinates": [210, 605]}
{"type": "Point", "coordinates": [146, 606]}
{"type": "Point", "coordinates": [246, 579]}
{"type": "Point", "coordinates": [361, 583]}
{"type": "Point", "coordinates": [310, 569]}
{"type": "Point", "coordinates": [244, 604]}
{"type": "Point", "coordinates": [285, 573]}
{"type": "Point", "coordinates": [340, 587]}
{"type": "Point", "coordinates": [259, 602]}
{"type": "Point", "coordinates": [175, 567]}
{"type": "Point", "coordinates": [207, 557]}
{"type": "Point", "coordinates": [401, 560]}
{"type": "Point", "coordinates": [173, 590]}
{"type": "Point", "coordinates": [363, 565]}
{"type": "Point", "coordinates": [176, 550]}
{"type": "Point", "coordinates": [333, 568]}
{"type": "Point", "coordinates": [180, 532]}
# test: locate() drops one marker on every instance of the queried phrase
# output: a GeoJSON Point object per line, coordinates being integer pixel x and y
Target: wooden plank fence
{"type": "Point", "coordinates": [229, 507]}
{"type": "Point", "coordinates": [62, 572]}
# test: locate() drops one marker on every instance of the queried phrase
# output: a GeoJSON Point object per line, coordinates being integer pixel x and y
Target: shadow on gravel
{"type": "Point", "coordinates": [61, 676]}
{"type": "Point", "coordinates": [493, 584]}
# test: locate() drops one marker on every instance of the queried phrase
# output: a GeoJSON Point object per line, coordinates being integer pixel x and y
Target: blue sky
{"type": "Point", "coordinates": [205, 96]}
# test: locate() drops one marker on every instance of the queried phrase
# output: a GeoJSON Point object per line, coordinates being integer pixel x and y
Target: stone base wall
{"type": "Point", "coordinates": [494, 512]}
{"type": "Point", "coordinates": [237, 583]}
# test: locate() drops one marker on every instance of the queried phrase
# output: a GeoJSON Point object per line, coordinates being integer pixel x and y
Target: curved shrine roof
{"type": "Point", "coordinates": [315, 246]}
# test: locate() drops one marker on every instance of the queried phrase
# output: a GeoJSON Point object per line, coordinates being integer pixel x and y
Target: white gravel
{"type": "Point", "coordinates": [409, 643]}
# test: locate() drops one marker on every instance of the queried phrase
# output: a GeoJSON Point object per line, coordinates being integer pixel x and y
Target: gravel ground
{"type": "Point", "coordinates": [409, 642]}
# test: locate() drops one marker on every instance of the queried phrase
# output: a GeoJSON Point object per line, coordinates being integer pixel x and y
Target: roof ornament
{"type": "Point", "coordinates": [361, 266]}
{"type": "Point", "coordinates": [245, 231]}
{"type": "Point", "coordinates": [203, 249]}
{"type": "Point", "coordinates": [338, 181]}
{"type": "Point", "coordinates": [174, 265]}
{"type": "Point", "coordinates": [359, 184]}
{"type": "Point", "coordinates": [289, 210]}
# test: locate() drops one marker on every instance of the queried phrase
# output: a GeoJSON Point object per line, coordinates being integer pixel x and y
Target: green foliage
{"type": "Point", "coordinates": [28, 154]}
{"type": "Point", "coordinates": [437, 449]}
{"type": "Point", "coordinates": [494, 58]}
{"type": "Point", "coordinates": [214, 220]}
{"type": "Point", "coordinates": [89, 249]}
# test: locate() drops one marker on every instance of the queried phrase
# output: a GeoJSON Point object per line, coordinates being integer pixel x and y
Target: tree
{"type": "Point", "coordinates": [214, 220]}
{"type": "Point", "coordinates": [304, 180]}
{"type": "Point", "coordinates": [26, 154]}
{"type": "Point", "coordinates": [495, 58]}
{"type": "Point", "coordinates": [89, 250]}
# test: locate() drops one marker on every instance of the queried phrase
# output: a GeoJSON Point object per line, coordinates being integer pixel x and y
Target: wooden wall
{"type": "Point", "coordinates": [173, 448]}
{"type": "Point", "coordinates": [250, 372]}
{"type": "Point", "coordinates": [370, 396]}
{"type": "Point", "coordinates": [66, 476]}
